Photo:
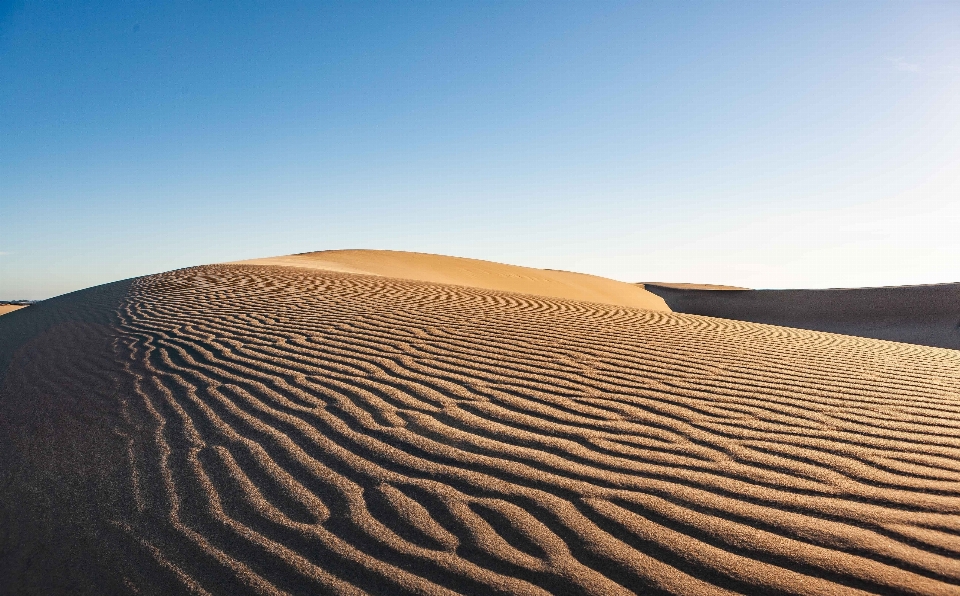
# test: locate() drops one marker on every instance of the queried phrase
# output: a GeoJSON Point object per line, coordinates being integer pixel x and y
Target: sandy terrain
{"type": "Point", "coordinates": [685, 286]}
{"type": "Point", "coordinates": [5, 308]}
{"type": "Point", "coordinates": [238, 429]}
{"type": "Point", "coordinates": [925, 315]}
{"type": "Point", "coordinates": [474, 273]}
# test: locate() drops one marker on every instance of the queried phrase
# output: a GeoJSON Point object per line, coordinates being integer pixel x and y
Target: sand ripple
{"type": "Point", "coordinates": [296, 431]}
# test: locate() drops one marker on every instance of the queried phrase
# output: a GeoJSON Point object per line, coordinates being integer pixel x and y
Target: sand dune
{"type": "Point", "coordinates": [688, 286]}
{"type": "Point", "coordinates": [925, 315]}
{"type": "Point", "coordinates": [5, 308]}
{"type": "Point", "coordinates": [474, 273]}
{"type": "Point", "coordinates": [240, 429]}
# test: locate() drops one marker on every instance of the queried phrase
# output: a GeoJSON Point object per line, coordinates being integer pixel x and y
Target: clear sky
{"type": "Point", "coordinates": [765, 144]}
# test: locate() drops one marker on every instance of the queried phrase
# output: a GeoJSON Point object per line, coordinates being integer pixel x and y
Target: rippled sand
{"type": "Point", "coordinates": [241, 429]}
{"type": "Point", "coordinates": [442, 269]}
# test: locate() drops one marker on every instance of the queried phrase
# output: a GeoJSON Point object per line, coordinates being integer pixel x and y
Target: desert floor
{"type": "Point", "coordinates": [265, 429]}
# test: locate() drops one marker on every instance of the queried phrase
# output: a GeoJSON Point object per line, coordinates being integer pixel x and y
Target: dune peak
{"type": "Point", "coordinates": [473, 273]}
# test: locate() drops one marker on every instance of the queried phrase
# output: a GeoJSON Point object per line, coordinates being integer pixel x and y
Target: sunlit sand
{"type": "Point", "coordinates": [474, 273]}
{"type": "Point", "coordinates": [356, 422]}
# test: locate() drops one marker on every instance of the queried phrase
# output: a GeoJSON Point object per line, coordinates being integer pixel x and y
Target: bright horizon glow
{"type": "Point", "coordinates": [765, 145]}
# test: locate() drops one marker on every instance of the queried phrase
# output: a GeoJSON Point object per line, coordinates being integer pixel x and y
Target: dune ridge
{"type": "Point", "coordinates": [473, 273]}
{"type": "Point", "coordinates": [690, 286]}
{"type": "Point", "coordinates": [8, 308]}
{"type": "Point", "coordinates": [286, 430]}
{"type": "Point", "coordinates": [927, 315]}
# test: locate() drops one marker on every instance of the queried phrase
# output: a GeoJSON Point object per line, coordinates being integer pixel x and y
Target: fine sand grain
{"type": "Point", "coordinates": [241, 429]}
{"type": "Point", "coordinates": [925, 315]}
{"type": "Point", "coordinates": [474, 273]}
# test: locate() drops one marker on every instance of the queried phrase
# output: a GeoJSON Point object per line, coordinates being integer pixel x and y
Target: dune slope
{"type": "Point", "coordinates": [474, 273]}
{"type": "Point", "coordinates": [689, 286]}
{"type": "Point", "coordinates": [925, 315]}
{"type": "Point", "coordinates": [255, 430]}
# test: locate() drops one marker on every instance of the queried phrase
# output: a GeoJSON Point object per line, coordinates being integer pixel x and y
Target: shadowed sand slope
{"type": "Point", "coordinates": [685, 286]}
{"type": "Point", "coordinates": [925, 315]}
{"type": "Point", "coordinates": [258, 430]}
{"type": "Point", "coordinates": [474, 273]}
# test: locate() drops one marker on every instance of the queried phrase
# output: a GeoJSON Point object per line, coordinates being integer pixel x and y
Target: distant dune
{"type": "Point", "coordinates": [474, 273]}
{"type": "Point", "coordinates": [925, 315]}
{"type": "Point", "coordinates": [238, 429]}
{"type": "Point", "coordinates": [685, 286]}
{"type": "Point", "coordinates": [5, 308]}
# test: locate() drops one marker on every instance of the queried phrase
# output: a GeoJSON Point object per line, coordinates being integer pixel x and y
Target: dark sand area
{"type": "Point", "coordinates": [926, 315]}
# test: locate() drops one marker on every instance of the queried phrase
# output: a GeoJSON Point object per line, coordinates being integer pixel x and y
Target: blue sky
{"type": "Point", "coordinates": [765, 144]}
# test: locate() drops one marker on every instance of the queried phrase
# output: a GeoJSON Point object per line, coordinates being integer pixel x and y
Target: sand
{"type": "Point", "coordinates": [8, 308]}
{"type": "Point", "coordinates": [926, 315]}
{"type": "Point", "coordinates": [237, 429]}
{"type": "Point", "coordinates": [688, 286]}
{"type": "Point", "coordinates": [474, 273]}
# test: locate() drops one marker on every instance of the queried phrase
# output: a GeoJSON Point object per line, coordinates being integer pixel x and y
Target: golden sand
{"type": "Point", "coordinates": [474, 273]}
{"type": "Point", "coordinates": [238, 429]}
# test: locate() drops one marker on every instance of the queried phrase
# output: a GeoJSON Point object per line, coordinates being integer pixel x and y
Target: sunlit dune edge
{"type": "Point", "coordinates": [8, 308]}
{"type": "Point", "coordinates": [474, 273]}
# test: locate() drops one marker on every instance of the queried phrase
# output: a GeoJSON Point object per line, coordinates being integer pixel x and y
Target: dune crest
{"type": "Point", "coordinates": [474, 273]}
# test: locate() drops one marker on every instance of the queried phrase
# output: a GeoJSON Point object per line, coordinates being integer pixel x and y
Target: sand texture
{"type": "Point", "coordinates": [238, 429]}
{"type": "Point", "coordinates": [8, 308]}
{"type": "Point", "coordinates": [474, 273]}
{"type": "Point", "coordinates": [925, 315]}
